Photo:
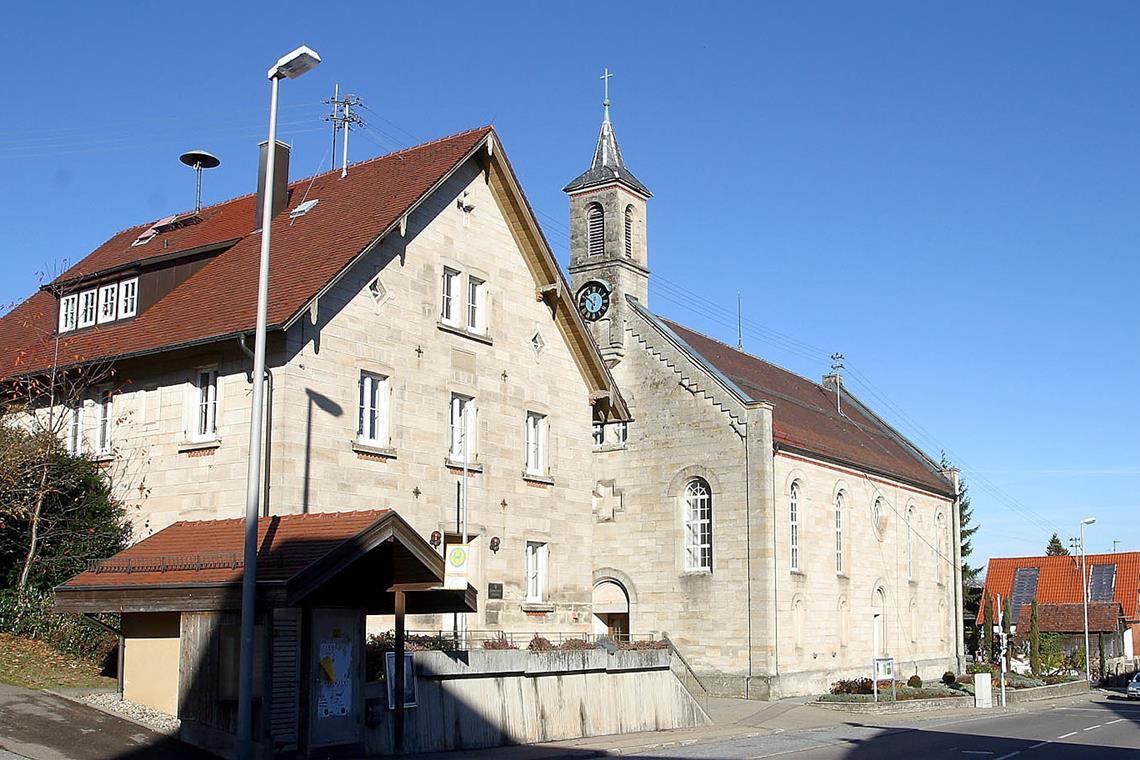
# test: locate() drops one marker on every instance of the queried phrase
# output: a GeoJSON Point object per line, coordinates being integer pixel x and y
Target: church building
{"type": "Point", "coordinates": [775, 528]}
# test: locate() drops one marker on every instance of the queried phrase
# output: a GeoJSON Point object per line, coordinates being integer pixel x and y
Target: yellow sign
{"type": "Point", "coordinates": [455, 558]}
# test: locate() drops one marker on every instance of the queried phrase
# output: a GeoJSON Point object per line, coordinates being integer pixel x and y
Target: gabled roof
{"type": "Point", "coordinates": [1104, 617]}
{"type": "Point", "coordinates": [219, 300]}
{"type": "Point", "coordinates": [608, 165]}
{"type": "Point", "coordinates": [198, 564]}
{"type": "Point", "coordinates": [1059, 579]}
{"type": "Point", "coordinates": [804, 417]}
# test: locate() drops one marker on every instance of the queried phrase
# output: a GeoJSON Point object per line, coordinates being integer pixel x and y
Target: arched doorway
{"type": "Point", "coordinates": [611, 610]}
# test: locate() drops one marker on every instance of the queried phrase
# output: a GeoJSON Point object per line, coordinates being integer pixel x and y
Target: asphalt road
{"type": "Point", "coordinates": [1099, 728]}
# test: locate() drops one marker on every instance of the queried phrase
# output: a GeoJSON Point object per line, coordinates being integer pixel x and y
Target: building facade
{"type": "Point", "coordinates": [775, 528]}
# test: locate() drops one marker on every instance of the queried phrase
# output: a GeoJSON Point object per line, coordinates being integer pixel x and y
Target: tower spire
{"type": "Point", "coordinates": [608, 165]}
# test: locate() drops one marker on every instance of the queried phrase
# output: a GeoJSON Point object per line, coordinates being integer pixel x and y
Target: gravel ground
{"type": "Point", "coordinates": [158, 721]}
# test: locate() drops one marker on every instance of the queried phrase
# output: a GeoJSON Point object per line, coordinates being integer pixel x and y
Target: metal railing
{"type": "Point", "coordinates": [686, 675]}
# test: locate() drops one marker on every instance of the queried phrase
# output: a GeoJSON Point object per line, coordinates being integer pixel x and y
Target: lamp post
{"type": "Point", "coordinates": [1085, 592]}
{"type": "Point", "coordinates": [291, 66]}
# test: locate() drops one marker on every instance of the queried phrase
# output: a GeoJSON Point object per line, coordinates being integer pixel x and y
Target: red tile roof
{"type": "Point", "coordinates": [1059, 579]}
{"type": "Point", "coordinates": [210, 551]}
{"type": "Point", "coordinates": [1104, 617]}
{"type": "Point", "coordinates": [220, 298]}
{"type": "Point", "coordinates": [804, 416]}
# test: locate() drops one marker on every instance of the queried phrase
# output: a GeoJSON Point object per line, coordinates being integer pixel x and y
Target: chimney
{"type": "Point", "coordinates": [280, 179]}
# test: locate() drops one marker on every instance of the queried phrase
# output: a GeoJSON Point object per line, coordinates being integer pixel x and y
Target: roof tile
{"type": "Point", "coordinates": [1059, 581]}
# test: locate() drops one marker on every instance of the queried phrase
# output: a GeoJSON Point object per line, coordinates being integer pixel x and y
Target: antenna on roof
{"type": "Point", "coordinates": [199, 160]}
{"type": "Point", "coordinates": [342, 117]}
{"type": "Point", "coordinates": [836, 369]}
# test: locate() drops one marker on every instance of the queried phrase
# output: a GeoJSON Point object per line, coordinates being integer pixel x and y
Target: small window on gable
{"type": "Point", "coordinates": [537, 343]}
{"type": "Point", "coordinates": [536, 435]}
{"type": "Point", "coordinates": [128, 297]}
{"type": "Point", "coordinates": [449, 311]}
{"type": "Point", "coordinates": [476, 304]}
{"type": "Point", "coordinates": [206, 405]}
{"type": "Point", "coordinates": [374, 395]}
{"type": "Point", "coordinates": [68, 312]}
{"type": "Point", "coordinates": [88, 301]}
{"type": "Point", "coordinates": [596, 230]}
{"type": "Point", "coordinates": [629, 231]}
{"type": "Point", "coordinates": [377, 290]}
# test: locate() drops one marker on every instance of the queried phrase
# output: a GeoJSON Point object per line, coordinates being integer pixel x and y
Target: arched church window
{"type": "Point", "coordinates": [596, 229]}
{"type": "Point", "coordinates": [794, 524]}
{"type": "Point", "coordinates": [941, 556]}
{"type": "Point", "coordinates": [698, 525]}
{"type": "Point", "coordinates": [629, 231]}
{"type": "Point", "coordinates": [839, 567]}
{"type": "Point", "coordinates": [910, 543]}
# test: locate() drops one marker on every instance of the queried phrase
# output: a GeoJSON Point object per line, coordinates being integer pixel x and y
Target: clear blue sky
{"type": "Point", "coordinates": [946, 193]}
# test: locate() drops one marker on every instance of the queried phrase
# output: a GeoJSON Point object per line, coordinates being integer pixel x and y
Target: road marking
{"type": "Point", "coordinates": [1090, 728]}
{"type": "Point", "coordinates": [1011, 754]}
{"type": "Point", "coordinates": [976, 752]}
{"type": "Point", "coordinates": [1038, 744]}
{"type": "Point", "coordinates": [1114, 721]}
{"type": "Point", "coordinates": [1066, 736]}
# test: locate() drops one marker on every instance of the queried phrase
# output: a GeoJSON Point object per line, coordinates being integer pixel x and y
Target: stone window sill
{"type": "Point", "coordinates": [698, 571]}
{"type": "Point", "coordinates": [373, 451]}
{"type": "Point", "coordinates": [797, 572]}
{"type": "Point", "coordinates": [187, 446]}
{"type": "Point", "coordinates": [610, 447]}
{"type": "Point", "coordinates": [474, 467]}
{"type": "Point", "coordinates": [541, 480]}
{"type": "Point", "coordinates": [463, 332]}
{"type": "Point", "coordinates": [103, 457]}
{"type": "Point", "coordinates": [537, 607]}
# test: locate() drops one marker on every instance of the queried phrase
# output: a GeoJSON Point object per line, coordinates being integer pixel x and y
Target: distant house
{"type": "Point", "coordinates": [1105, 618]}
{"type": "Point", "coordinates": [1113, 579]}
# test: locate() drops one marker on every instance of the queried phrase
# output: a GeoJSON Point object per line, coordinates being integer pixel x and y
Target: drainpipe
{"type": "Point", "coordinates": [89, 618]}
{"type": "Point", "coordinates": [748, 549]}
{"type": "Point", "coordinates": [268, 425]}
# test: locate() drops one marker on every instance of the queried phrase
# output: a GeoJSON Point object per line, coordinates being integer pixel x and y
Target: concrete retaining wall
{"type": "Point", "coordinates": [1073, 689]}
{"type": "Point", "coordinates": [487, 698]}
{"type": "Point", "coordinates": [904, 706]}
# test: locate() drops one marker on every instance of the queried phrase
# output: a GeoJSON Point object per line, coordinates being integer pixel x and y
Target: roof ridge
{"type": "Point", "coordinates": [334, 513]}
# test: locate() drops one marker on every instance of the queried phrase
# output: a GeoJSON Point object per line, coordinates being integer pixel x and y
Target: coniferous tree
{"type": "Point", "coordinates": [1034, 640]}
{"type": "Point", "coordinates": [1056, 548]}
{"type": "Point", "coordinates": [965, 529]}
{"type": "Point", "coordinates": [1006, 624]}
{"type": "Point", "coordinates": [988, 628]}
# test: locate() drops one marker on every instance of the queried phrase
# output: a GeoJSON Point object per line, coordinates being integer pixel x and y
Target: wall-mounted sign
{"type": "Point", "coordinates": [455, 559]}
{"type": "Point", "coordinates": [494, 591]}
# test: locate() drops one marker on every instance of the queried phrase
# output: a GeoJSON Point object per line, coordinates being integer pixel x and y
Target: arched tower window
{"type": "Point", "coordinates": [794, 524]}
{"type": "Point", "coordinates": [629, 231]}
{"type": "Point", "coordinates": [698, 525]}
{"type": "Point", "coordinates": [596, 229]}
{"type": "Point", "coordinates": [839, 566]}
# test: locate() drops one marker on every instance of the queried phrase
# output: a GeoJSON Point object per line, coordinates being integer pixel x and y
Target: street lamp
{"type": "Point", "coordinates": [289, 66]}
{"type": "Point", "coordinates": [1085, 590]}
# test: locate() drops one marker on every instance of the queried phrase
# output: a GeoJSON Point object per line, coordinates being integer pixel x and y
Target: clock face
{"type": "Point", "coordinates": [593, 301]}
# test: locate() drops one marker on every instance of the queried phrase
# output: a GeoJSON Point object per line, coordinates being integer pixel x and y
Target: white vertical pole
{"type": "Point", "coordinates": [1085, 596]}
{"type": "Point", "coordinates": [253, 472]}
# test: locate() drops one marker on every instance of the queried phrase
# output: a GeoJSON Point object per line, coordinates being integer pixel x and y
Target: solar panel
{"type": "Point", "coordinates": [1024, 588]}
{"type": "Point", "coordinates": [1102, 583]}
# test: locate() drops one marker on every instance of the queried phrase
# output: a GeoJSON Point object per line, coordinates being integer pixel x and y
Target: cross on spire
{"type": "Point", "coordinates": [605, 77]}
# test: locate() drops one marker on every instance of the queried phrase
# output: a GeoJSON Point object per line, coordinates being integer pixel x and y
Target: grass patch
{"type": "Point", "coordinates": [35, 665]}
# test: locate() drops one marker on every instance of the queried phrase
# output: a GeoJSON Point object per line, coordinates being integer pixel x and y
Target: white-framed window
{"type": "Point", "coordinates": [629, 231]}
{"type": "Point", "coordinates": [536, 432]}
{"type": "Point", "coordinates": [104, 417]}
{"type": "Point", "coordinates": [698, 525]}
{"type": "Point", "coordinates": [839, 567]}
{"type": "Point", "coordinates": [461, 428]}
{"type": "Point", "coordinates": [595, 230]}
{"type": "Point", "coordinates": [88, 304]}
{"type": "Point", "coordinates": [108, 303]}
{"type": "Point", "coordinates": [794, 524]}
{"type": "Point", "coordinates": [909, 544]}
{"type": "Point", "coordinates": [68, 312]}
{"type": "Point", "coordinates": [449, 310]}
{"type": "Point", "coordinates": [73, 439]}
{"type": "Point", "coordinates": [476, 304]}
{"type": "Point", "coordinates": [373, 418]}
{"type": "Point", "coordinates": [599, 433]}
{"type": "Point", "coordinates": [537, 558]}
{"type": "Point", "coordinates": [206, 404]}
{"type": "Point", "coordinates": [128, 298]}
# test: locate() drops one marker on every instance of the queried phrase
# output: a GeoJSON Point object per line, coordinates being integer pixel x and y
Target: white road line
{"type": "Point", "coordinates": [1114, 721]}
{"type": "Point", "coordinates": [1066, 736]}
{"type": "Point", "coordinates": [1090, 728]}
{"type": "Point", "coordinates": [1011, 754]}
{"type": "Point", "coordinates": [1038, 744]}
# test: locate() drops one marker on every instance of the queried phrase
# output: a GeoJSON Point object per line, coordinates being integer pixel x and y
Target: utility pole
{"type": "Point", "coordinates": [343, 118]}
{"type": "Point", "coordinates": [836, 369]}
{"type": "Point", "coordinates": [1003, 645]}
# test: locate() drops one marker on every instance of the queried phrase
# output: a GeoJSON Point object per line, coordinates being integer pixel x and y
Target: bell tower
{"type": "Point", "coordinates": [609, 256]}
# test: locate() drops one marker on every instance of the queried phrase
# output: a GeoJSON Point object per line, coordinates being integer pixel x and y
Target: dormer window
{"type": "Point", "coordinates": [596, 229]}
{"type": "Point", "coordinates": [128, 297]}
{"type": "Point", "coordinates": [87, 303]}
{"type": "Point", "coordinates": [68, 312]}
{"type": "Point", "coordinates": [107, 303]}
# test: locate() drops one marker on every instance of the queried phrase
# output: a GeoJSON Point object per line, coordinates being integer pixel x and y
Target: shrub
{"type": "Point", "coordinates": [540, 644]}
{"type": "Point", "coordinates": [576, 644]}
{"type": "Point", "coordinates": [914, 682]}
{"type": "Point", "coordinates": [852, 686]}
{"type": "Point", "coordinates": [949, 678]}
{"type": "Point", "coordinates": [32, 616]}
{"type": "Point", "coordinates": [642, 644]}
{"type": "Point", "coordinates": [500, 643]}
{"type": "Point", "coordinates": [982, 667]}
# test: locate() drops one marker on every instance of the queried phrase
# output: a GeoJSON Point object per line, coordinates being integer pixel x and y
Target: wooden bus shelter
{"type": "Point", "coordinates": [318, 576]}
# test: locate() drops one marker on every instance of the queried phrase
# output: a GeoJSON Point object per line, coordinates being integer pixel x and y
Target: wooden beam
{"type": "Point", "coordinates": [398, 689]}
{"type": "Point", "coordinates": [401, 587]}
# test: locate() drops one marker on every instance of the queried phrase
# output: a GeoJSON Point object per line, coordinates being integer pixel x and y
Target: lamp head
{"type": "Point", "coordinates": [1088, 521]}
{"type": "Point", "coordinates": [293, 65]}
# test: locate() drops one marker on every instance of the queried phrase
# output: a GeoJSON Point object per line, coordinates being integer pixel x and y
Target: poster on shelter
{"type": "Point", "coordinates": [334, 697]}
